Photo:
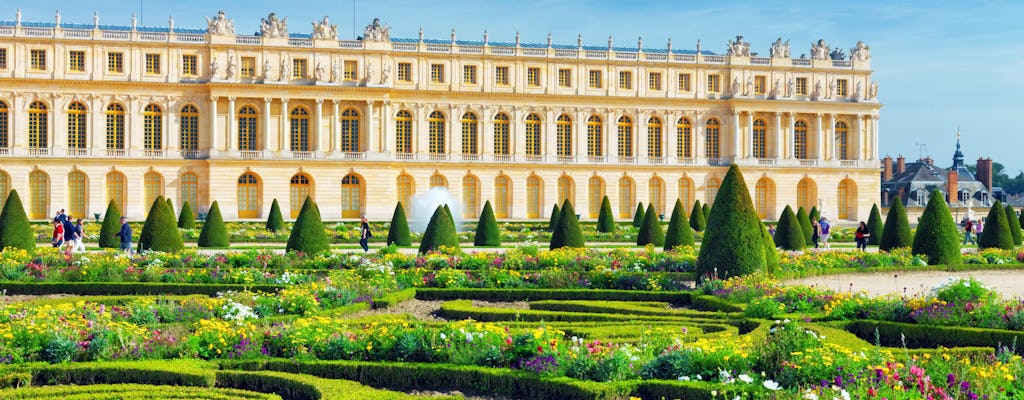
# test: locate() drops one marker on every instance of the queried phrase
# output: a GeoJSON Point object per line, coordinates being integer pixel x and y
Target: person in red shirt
{"type": "Point", "coordinates": [861, 236]}
{"type": "Point", "coordinates": [58, 233]}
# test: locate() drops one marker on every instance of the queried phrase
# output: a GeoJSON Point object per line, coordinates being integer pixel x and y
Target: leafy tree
{"type": "Point", "coordinates": [1011, 218]}
{"type": "Point", "coordinates": [605, 219]}
{"type": "Point", "coordinates": [398, 232]}
{"type": "Point", "coordinates": [638, 215]}
{"type": "Point", "coordinates": [679, 232]}
{"type": "Point", "coordinates": [160, 231]}
{"type": "Point", "coordinates": [805, 226]}
{"type": "Point", "coordinates": [111, 226]}
{"type": "Point", "coordinates": [697, 220]}
{"type": "Point", "coordinates": [567, 232]}
{"type": "Point", "coordinates": [789, 234]}
{"type": "Point", "coordinates": [186, 218]}
{"type": "Point", "coordinates": [997, 229]}
{"type": "Point", "coordinates": [487, 232]}
{"type": "Point", "coordinates": [896, 232]}
{"type": "Point", "coordinates": [650, 231]}
{"type": "Point", "coordinates": [214, 233]}
{"type": "Point", "coordinates": [15, 230]}
{"type": "Point", "coordinates": [440, 232]}
{"type": "Point", "coordinates": [733, 244]}
{"type": "Point", "coordinates": [937, 235]}
{"type": "Point", "coordinates": [554, 217]}
{"type": "Point", "coordinates": [875, 226]}
{"type": "Point", "coordinates": [308, 235]}
{"type": "Point", "coordinates": [275, 221]}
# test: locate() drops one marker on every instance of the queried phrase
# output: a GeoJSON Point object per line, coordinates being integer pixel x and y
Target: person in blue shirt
{"type": "Point", "coordinates": [125, 234]}
{"type": "Point", "coordinates": [69, 233]}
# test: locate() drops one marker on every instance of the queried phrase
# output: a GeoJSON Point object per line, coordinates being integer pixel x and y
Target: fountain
{"type": "Point", "coordinates": [424, 204]}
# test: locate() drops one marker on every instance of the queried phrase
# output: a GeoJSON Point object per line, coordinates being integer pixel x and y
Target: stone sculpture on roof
{"type": "Point", "coordinates": [325, 29]}
{"type": "Point", "coordinates": [271, 26]}
{"type": "Point", "coordinates": [739, 47]}
{"type": "Point", "coordinates": [780, 49]}
{"type": "Point", "coordinates": [819, 50]}
{"type": "Point", "coordinates": [220, 25]}
{"type": "Point", "coordinates": [376, 32]}
{"type": "Point", "coordinates": [861, 52]}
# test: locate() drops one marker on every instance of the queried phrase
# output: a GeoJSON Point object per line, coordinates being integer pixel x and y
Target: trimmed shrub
{"type": "Point", "coordinates": [706, 209]}
{"type": "Point", "coordinates": [697, 218]}
{"type": "Point", "coordinates": [131, 288]}
{"type": "Point", "coordinates": [554, 218]}
{"type": "Point", "coordinates": [789, 234]}
{"type": "Point", "coordinates": [771, 256]}
{"type": "Point", "coordinates": [186, 218]}
{"type": "Point", "coordinates": [170, 205]}
{"type": "Point", "coordinates": [896, 232]}
{"type": "Point", "coordinates": [805, 225]}
{"type": "Point", "coordinates": [214, 233]}
{"type": "Point", "coordinates": [160, 231]}
{"type": "Point", "coordinates": [650, 231]}
{"type": "Point", "coordinates": [814, 214]}
{"type": "Point", "coordinates": [398, 232]}
{"type": "Point", "coordinates": [997, 229]}
{"type": "Point", "coordinates": [308, 235]}
{"type": "Point", "coordinates": [567, 232]}
{"type": "Point", "coordinates": [111, 226]}
{"type": "Point", "coordinates": [1021, 220]}
{"type": "Point", "coordinates": [679, 233]}
{"type": "Point", "coordinates": [937, 234]}
{"type": "Point", "coordinates": [451, 218]}
{"type": "Point", "coordinates": [440, 232]}
{"type": "Point", "coordinates": [275, 221]}
{"type": "Point", "coordinates": [638, 215]}
{"type": "Point", "coordinates": [487, 232]}
{"type": "Point", "coordinates": [15, 231]}
{"type": "Point", "coordinates": [1011, 218]}
{"type": "Point", "coordinates": [733, 229]}
{"type": "Point", "coordinates": [875, 226]}
{"type": "Point", "coordinates": [605, 219]}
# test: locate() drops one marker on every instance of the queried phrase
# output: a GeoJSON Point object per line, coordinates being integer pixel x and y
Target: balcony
{"type": "Point", "coordinates": [153, 153]}
{"type": "Point", "coordinates": [353, 155]}
{"type": "Point", "coordinates": [627, 160]}
{"type": "Point", "coordinates": [808, 163]}
{"type": "Point", "coordinates": [437, 157]}
{"type": "Point", "coordinates": [4, 151]}
{"type": "Point", "coordinates": [565, 159]}
{"type": "Point", "coordinates": [250, 154]}
{"type": "Point", "coordinates": [720, 162]}
{"type": "Point", "coordinates": [767, 162]}
{"type": "Point", "coordinates": [405, 156]}
{"type": "Point", "coordinates": [303, 155]}
{"type": "Point", "coordinates": [597, 159]}
{"type": "Point", "coordinates": [533, 158]}
{"type": "Point", "coordinates": [190, 154]}
{"type": "Point", "coordinates": [38, 151]}
{"type": "Point", "coordinates": [504, 158]}
{"type": "Point", "coordinates": [470, 157]}
{"type": "Point", "coordinates": [655, 160]}
{"type": "Point", "coordinates": [687, 161]}
{"type": "Point", "coordinates": [78, 152]}
{"type": "Point", "coordinates": [119, 153]}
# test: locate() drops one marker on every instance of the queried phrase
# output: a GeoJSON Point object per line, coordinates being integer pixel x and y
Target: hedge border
{"type": "Point", "coordinates": [917, 336]}
{"type": "Point", "coordinates": [507, 295]}
{"type": "Point", "coordinates": [128, 288]}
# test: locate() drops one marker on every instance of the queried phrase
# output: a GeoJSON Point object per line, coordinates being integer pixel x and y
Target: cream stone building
{"type": "Point", "coordinates": [91, 113]}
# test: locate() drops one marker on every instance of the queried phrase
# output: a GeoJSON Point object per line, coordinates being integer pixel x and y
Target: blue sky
{"type": "Point", "coordinates": [938, 63]}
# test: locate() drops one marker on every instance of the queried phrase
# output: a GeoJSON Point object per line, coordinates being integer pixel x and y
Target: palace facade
{"type": "Point", "coordinates": [91, 113]}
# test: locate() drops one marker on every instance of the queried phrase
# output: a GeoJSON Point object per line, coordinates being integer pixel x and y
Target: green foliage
{"type": "Point", "coordinates": [736, 232]}
{"type": "Point", "coordinates": [567, 232]}
{"type": "Point", "coordinates": [706, 209]}
{"type": "Point", "coordinates": [130, 288]}
{"type": "Point", "coordinates": [398, 232]}
{"type": "Point", "coordinates": [605, 219]}
{"type": "Point", "coordinates": [1011, 218]}
{"type": "Point", "coordinates": [650, 231]}
{"type": "Point", "coordinates": [160, 231]}
{"type": "Point", "coordinates": [440, 232]}
{"type": "Point", "coordinates": [638, 215]}
{"type": "Point", "coordinates": [875, 226]}
{"type": "Point", "coordinates": [275, 221]}
{"type": "Point", "coordinates": [1021, 220]}
{"type": "Point", "coordinates": [814, 214]}
{"type": "Point", "coordinates": [111, 226]}
{"type": "Point", "coordinates": [554, 218]}
{"type": "Point", "coordinates": [997, 229]}
{"type": "Point", "coordinates": [170, 205]}
{"type": "Point", "coordinates": [507, 295]}
{"type": "Point", "coordinates": [771, 256]}
{"type": "Point", "coordinates": [698, 220]}
{"type": "Point", "coordinates": [789, 233]}
{"type": "Point", "coordinates": [805, 225]}
{"type": "Point", "coordinates": [679, 232]}
{"type": "Point", "coordinates": [487, 232]}
{"type": "Point", "coordinates": [896, 232]}
{"type": "Point", "coordinates": [937, 235]}
{"type": "Point", "coordinates": [451, 218]}
{"type": "Point", "coordinates": [308, 235]}
{"type": "Point", "coordinates": [15, 230]}
{"type": "Point", "coordinates": [186, 218]}
{"type": "Point", "coordinates": [214, 233]}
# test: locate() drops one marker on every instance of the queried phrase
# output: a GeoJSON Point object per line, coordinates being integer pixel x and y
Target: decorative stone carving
{"type": "Point", "coordinates": [57, 18]}
{"type": "Point", "coordinates": [739, 47]}
{"type": "Point", "coordinates": [135, 22]}
{"type": "Point", "coordinates": [170, 23]}
{"type": "Point", "coordinates": [266, 69]}
{"type": "Point", "coordinates": [219, 25]}
{"type": "Point", "coordinates": [232, 67]}
{"type": "Point", "coordinates": [861, 52]}
{"type": "Point", "coordinates": [336, 72]}
{"type": "Point", "coordinates": [371, 73]}
{"type": "Point", "coordinates": [780, 49]}
{"type": "Point", "coordinates": [274, 27]}
{"type": "Point", "coordinates": [735, 86]}
{"type": "Point", "coordinates": [831, 89]}
{"type": "Point", "coordinates": [856, 93]}
{"type": "Point", "coordinates": [95, 20]}
{"type": "Point", "coordinates": [214, 68]}
{"type": "Point", "coordinates": [873, 94]}
{"type": "Point", "coordinates": [837, 54]}
{"type": "Point", "coordinates": [375, 32]}
{"type": "Point", "coordinates": [791, 88]}
{"type": "Point", "coordinates": [385, 77]}
{"type": "Point", "coordinates": [286, 70]}
{"type": "Point", "coordinates": [817, 89]}
{"type": "Point", "coordinates": [320, 72]}
{"type": "Point", "coordinates": [325, 29]}
{"type": "Point", "coordinates": [750, 87]}
{"type": "Point", "coordinates": [777, 91]}
{"type": "Point", "coordinates": [17, 17]}
{"type": "Point", "coordinates": [819, 50]}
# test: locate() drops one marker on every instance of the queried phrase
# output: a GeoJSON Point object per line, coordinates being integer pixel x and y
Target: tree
{"type": "Point", "coordinates": [650, 231]}
{"type": "Point", "coordinates": [451, 218]}
{"type": "Point", "coordinates": [554, 218]}
{"type": "Point", "coordinates": [214, 233]}
{"type": "Point", "coordinates": [487, 233]}
{"type": "Point", "coordinates": [997, 229]}
{"type": "Point", "coordinates": [398, 232]}
{"type": "Point", "coordinates": [789, 233]}
{"type": "Point", "coordinates": [875, 226]}
{"type": "Point", "coordinates": [937, 235]}
{"type": "Point", "coordinates": [160, 231]}
{"type": "Point", "coordinates": [567, 232]}
{"type": "Point", "coordinates": [706, 210]}
{"type": "Point", "coordinates": [814, 214]}
{"type": "Point", "coordinates": [771, 256]}
{"type": "Point", "coordinates": [111, 226]}
{"type": "Point", "coordinates": [679, 232]}
{"type": "Point", "coordinates": [1011, 218]}
{"type": "Point", "coordinates": [15, 230]}
{"type": "Point", "coordinates": [638, 215]}
{"type": "Point", "coordinates": [697, 220]}
{"type": "Point", "coordinates": [733, 244]}
{"type": "Point", "coordinates": [605, 219]}
{"type": "Point", "coordinates": [308, 235]}
{"type": "Point", "coordinates": [896, 232]}
{"type": "Point", "coordinates": [440, 232]}
{"type": "Point", "coordinates": [275, 221]}
{"type": "Point", "coordinates": [805, 226]}
{"type": "Point", "coordinates": [170, 205]}
{"type": "Point", "coordinates": [186, 219]}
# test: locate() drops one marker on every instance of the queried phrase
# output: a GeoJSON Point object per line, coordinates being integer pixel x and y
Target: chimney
{"type": "Point", "coordinates": [901, 165]}
{"type": "Point", "coordinates": [952, 186]}
{"type": "Point", "coordinates": [984, 171]}
{"type": "Point", "coordinates": [886, 169]}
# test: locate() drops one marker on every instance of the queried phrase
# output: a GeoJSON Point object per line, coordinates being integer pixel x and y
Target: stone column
{"type": "Point", "coordinates": [670, 132]}
{"type": "Point", "coordinates": [749, 145]}
{"type": "Point", "coordinates": [518, 140]}
{"type": "Point", "coordinates": [454, 130]}
{"type": "Point", "coordinates": [579, 126]}
{"type": "Point", "coordinates": [372, 135]}
{"type": "Point", "coordinates": [333, 142]}
{"type": "Point", "coordinates": [214, 139]}
{"type": "Point", "coordinates": [698, 129]}
{"type": "Point", "coordinates": [133, 131]}
{"type": "Point", "coordinates": [737, 138]}
{"type": "Point", "coordinates": [486, 137]}
{"type": "Point", "coordinates": [173, 127]}
{"type": "Point", "coordinates": [318, 116]}
{"type": "Point", "coordinates": [283, 134]}
{"type": "Point", "coordinates": [821, 139]}
{"type": "Point", "coordinates": [642, 135]}
{"type": "Point", "coordinates": [232, 129]}
{"type": "Point", "coordinates": [96, 137]}
{"type": "Point", "coordinates": [59, 124]}
{"type": "Point", "coordinates": [830, 138]}
{"type": "Point", "coordinates": [779, 153]}
{"type": "Point", "coordinates": [874, 138]}
{"type": "Point", "coordinates": [611, 146]}
{"type": "Point", "coordinates": [420, 130]}
{"type": "Point", "coordinates": [549, 138]}
{"type": "Point", "coordinates": [858, 127]}
{"type": "Point", "coordinates": [265, 123]}
{"type": "Point", "coordinates": [385, 127]}
{"type": "Point", "coordinates": [790, 146]}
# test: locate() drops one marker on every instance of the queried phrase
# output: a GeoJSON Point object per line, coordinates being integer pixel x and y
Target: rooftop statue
{"type": "Point", "coordinates": [837, 54]}
{"type": "Point", "coordinates": [739, 47]}
{"type": "Point", "coordinates": [861, 52]}
{"type": "Point", "coordinates": [375, 32]}
{"type": "Point", "coordinates": [780, 49]}
{"type": "Point", "coordinates": [271, 26]}
{"type": "Point", "coordinates": [819, 50]}
{"type": "Point", "coordinates": [220, 25]}
{"type": "Point", "coordinates": [325, 29]}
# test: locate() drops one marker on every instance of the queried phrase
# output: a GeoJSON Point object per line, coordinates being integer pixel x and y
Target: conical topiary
{"type": "Point", "coordinates": [679, 232]}
{"type": "Point", "coordinates": [896, 232]}
{"type": "Point", "coordinates": [937, 235]}
{"type": "Point", "coordinates": [805, 226]}
{"type": "Point", "coordinates": [734, 241]}
{"type": "Point", "coordinates": [160, 231]}
{"type": "Point", "coordinates": [650, 231]}
{"type": "Point", "coordinates": [170, 205]}
{"type": "Point", "coordinates": [308, 235]}
{"type": "Point", "coordinates": [638, 215]}
{"type": "Point", "coordinates": [771, 256]}
{"type": "Point", "coordinates": [398, 232]}
{"type": "Point", "coordinates": [451, 218]}
{"type": "Point", "coordinates": [554, 218]}
{"type": "Point", "coordinates": [186, 218]}
{"type": "Point", "coordinates": [1011, 218]}
{"type": "Point", "coordinates": [15, 230]}
{"type": "Point", "coordinates": [567, 232]}
{"type": "Point", "coordinates": [996, 234]}
{"type": "Point", "coordinates": [789, 234]}
{"type": "Point", "coordinates": [1021, 220]}
{"type": "Point", "coordinates": [214, 233]}
{"type": "Point", "coordinates": [814, 214]}
{"type": "Point", "coordinates": [275, 221]}
{"type": "Point", "coordinates": [440, 232]}
{"type": "Point", "coordinates": [605, 219]}
{"type": "Point", "coordinates": [111, 226]}
{"type": "Point", "coordinates": [487, 232]}
{"type": "Point", "coordinates": [875, 226]}
{"type": "Point", "coordinates": [697, 220]}
{"type": "Point", "coordinates": [706, 209]}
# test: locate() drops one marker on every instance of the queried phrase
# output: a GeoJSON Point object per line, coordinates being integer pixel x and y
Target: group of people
{"type": "Point", "coordinates": [972, 230]}
{"type": "Point", "coordinates": [821, 230]}
{"type": "Point", "coordinates": [66, 234]}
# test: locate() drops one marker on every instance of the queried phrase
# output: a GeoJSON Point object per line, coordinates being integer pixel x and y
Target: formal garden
{"type": "Point", "coordinates": [695, 306]}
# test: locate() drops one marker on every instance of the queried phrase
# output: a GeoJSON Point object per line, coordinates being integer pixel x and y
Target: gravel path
{"type": "Point", "coordinates": [1009, 284]}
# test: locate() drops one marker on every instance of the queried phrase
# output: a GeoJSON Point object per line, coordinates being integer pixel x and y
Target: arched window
{"type": "Point", "coordinates": [406, 188]}
{"type": "Point", "coordinates": [764, 198]}
{"type": "Point", "coordinates": [437, 133]}
{"type": "Point", "coordinates": [38, 127]}
{"type": "Point", "coordinates": [350, 141]}
{"type": "Point", "coordinates": [533, 196]}
{"type": "Point", "coordinates": [39, 194]}
{"type": "Point", "coordinates": [470, 133]}
{"type": "Point", "coordinates": [78, 130]}
{"type": "Point", "coordinates": [248, 196]}
{"type": "Point", "coordinates": [563, 135]}
{"type": "Point", "coordinates": [656, 190]}
{"type": "Point", "coordinates": [595, 195]}
{"type": "Point", "coordinates": [847, 201]}
{"type": "Point", "coordinates": [533, 136]}
{"type": "Point", "coordinates": [189, 125]}
{"type": "Point", "coordinates": [625, 136]}
{"type": "Point", "coordinates": [299, 123]}
{"type": "Point", "coordinates": [654, 139]}
{"type": "Point", "coordinates": [470, 196]}
{"type": "Point", "coordinates": [438, 181]}
{"type": "Point", "coordinates": [153, 185]}
{"type": "Point", "coordinates": [760, 133]}
{"type": "Point", "coordinates": [712, 145]}
{"type": "Point", "coordinates": [116, 191]}
{"type": "Point", "coordinates": [5, 187]}
{"type": "Point", "coordinates": [501, 135]}
{"type": "Point", "coordinates": [800, 140]}
{"type": "Point", "coordinates": [502, 196]}
{"type": "Point", "coordinates": [153, 127]}
{"type": "Point", "coordinates": [299, 188]}
{"type": "Point", "coordinates": [686, 195]}
{"type": "Point", "coordinates": [806, 194]}
{"type": "Point", "coordinates": [627, 197]}
{"type": "Point", "coordinates": [190, 191]}
{"type": "Point", "coordinates": [247, 129]}
{"type": "Point", "coordinates": [684, 136]}
{"type": "Point", "coordinates": [351, 196]}
{"type": "Point", "coordinates": [595, 136]}
{"type": "Point", "coordinates": [403, 135]}
{"type": "Point", "coordinates": [5, 127]}
{"type": "Point", "coordinates": [115, 127]}
{"type": "Point", "coordinates": [77, 194]}
{"type": "Point", "coordinates": [566, 190]}
{"type": "Point", "coordinates": [842, 141]}
{"type": "Point", "coordinates": [712, 191]}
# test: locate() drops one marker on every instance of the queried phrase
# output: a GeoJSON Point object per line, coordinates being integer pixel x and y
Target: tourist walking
{"type": "Point", "coordinates": [365, 235]}
{"type": "Point", "coordinates": [861, 236]}
{"type": "Point", "coordinates": [69, 233]}
{"type": "Point", "coordinates": [814, 233]}
{"type": "Point", "coordinates": [58, 233]}
{"type": "Point", "coordinates": [826, 229]}
{"type": "Point", "coordinates": [968, 230]}
{"type": "Point", "coordinates": [125, 234]}
{"type": "Point", "coordinates": [79, 236]}
{"type": "Point", "coordinates": [978, 228]}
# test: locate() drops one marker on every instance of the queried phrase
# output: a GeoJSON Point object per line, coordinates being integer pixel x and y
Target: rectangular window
{"type": "Point", "coordinates": [115, 63]}
{"type": "Point", "coordinates": [501, 76]}
{"type": "Point", "coordinates": [152, 63]}
{"type": "Point", "coordinates": [625, 80]}
{"type": "Point", "coordinates": [299, 68]}
{"type": "Point", "coordinates": [759, 84]}
{"type": "Point", "coordinates": [437, 73]}
{"type": "Point", "coordinates": [3, 59]}
{"type": "Point", "coordinates": [189, 65]}
{"type": "Point", "coordinates": [350, 68]}
{"type": "Point", "coordinates": [594, 79]}
{"type": "Point", "coordinates": [841, 86]}
{"type": "Point", "coordinates": [76, 61]}
{"type": "Point", "coordinates": [248, 67]}
{"type": "Point", "coordinates": [684, 83]}
{"type": "Point", "coordinates": [565, 78]}
{"type": "Point", "coordinates": [714, 83]}
{"type": "Point", "coordinates": [38, 60]}
{"type": "Point", "coordinates": [654, 81]}
{"type": "Point", "coordinates": [404, 72]}
{"type": "Point", "coordinates": [533, 76]}
{"type": "Point", "coordinates": [469, 74]}
{"type": "Point", "coordinates": [801, 86]}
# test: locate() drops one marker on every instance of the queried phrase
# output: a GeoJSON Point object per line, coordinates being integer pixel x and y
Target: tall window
{"type": "Point", "coordinates": [116, 185]}
{"type": "Point", "coordinates": [533, 197]}
{"type": "Point", "coordinates": [533, 76]}
{"type": "Point", "coordinates": [3, 59]}
{"type": "Point", "coordinates": [38, 126]}
{"type": "Point", "coordinates": [37, 60]}
{"type": "Point", "coordinates": [190, 191]}
{"type": "Point", "coordinates": [801, 86]}
{"type": "Point", "coordinates": [299, 189]}
{"type": "Point", "coordinates": [594, 196]}
{"type": "Point", "coordinates": [152, 64]}
{"type": "Point", "coordinates": [115, 127]}
{"type": "Point", "coordinates": [5, 128]}
{"type": "Point", "coordinates": [564, 78]}
{"type": "Point", "coordinates": [189, 65]}
{"type": "Point", "coordinates": [437, 133]}
{"type": "Point", "coordinates": [806, 193]}
{"type": "Point", "coordinates": [153, 185]}
{"type": "Point", "coordinates": [436, 73]}
{"type": "Point", "coordinates": [406, 188]}
{"type": "Point", "coordinates": [115, 63]}
{"type": "Point", "coordinates": [684, 138]}
{"type": "Point", "coordinates": [654, 138]}
{"type": "Point", "coordinates": [470, 196]}
{"type": "Point", "coordinates": [712, 191]}
{"type": "Point", "coordinates": [594, 79]}
{"type": "Point", "coordinates": [78, 130]}
{"type": "Point", "coordinates": [626, 80]}
{"type": "Point", "coordinates": [563, 135]}
{"type": "Point", "coordinates": [39, 194]}
{"type": "Point", "coordinates": [714, 83]}
{"type": "Point", "coordinates": [438, 181]}
{"type": "Point", "coordinates": [248, 68]}
{"type": "Point", "coordinates": [404, 72]}
{"type": "Point", "coordinates": [841, 87]}
{"type": "Point", "coordinates": [566, 190]}
{"type": "Point", "coordinates": [625, 136]}
{"type": "Point", "coordinates": [501, 76]}
{"type": "Point", "coordinates": [189, 125]}
{"type": "Point", "coordinates": [299, 123]}
{"type": "Point", "coordinates": [247, 130]}
{"type": "Point", "coordinates": [501, 134]}
{"type": "Point", "coordinates": [470, 133]}
{"type": "Point", "coordinates": [800, 140]}
{"type": "Point", "coordinates": [760, 86]}
{"type": "Point", "coordinates": [847, 200]}
{"type": "Point", "coordinates": [627, 197]}
{"type": "Point", "coordinates": [763, 198]}
{"type": "Point", "coordinates": [76, 61]}
{"type": "Point", "coordinates": [654, 81]}
{"type": "Point", "coordinates": [299, 68]}
{"type": "Point", "coordinates": [351, 196]}
{"type": "Point", "coordinates": [248, 196]}
{"type": "Point", "coordinates": [533, 135]}
{"type": "Point", "coordinates": [595, 136]}
{"type": "Point", "coordinates": [842, 141]}
{"type": "Point", "coordinates": [350, 68]}
{"type": "Point", "coordinates": [760, 132]}
{"type": "Point", "coordinates": [712, 146]}
{"type": "Point", "coordinates": [403, 133]}
{"type": "Point", "coordinates": [686, 195]}
{"type": "Point", "coordinates": [502, 199]}
{"type": "Point", "coordinates": [5, 187]}
{"type": "Point", "coordinates": [656, 191]}
{"type": "Point", "coordinates": [469, 74]}
{"type": "Point", "coordinates": [350, 131]}
{"type": "Point", "coordinates": [77, 190]}
{"type": "Point", "coordinates": [684, 83]}
{"type": "Point", "coordinates": [153, 127]}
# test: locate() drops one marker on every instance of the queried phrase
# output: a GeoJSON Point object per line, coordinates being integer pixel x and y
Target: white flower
{"type": "Point", "coordinates": [683, 379]}
{"type": "Point", "coordinates": [771, 385]}
{"type": "Point", "coordinates": [845, 394]}
{"type": "Point", "coordinates": [469, 336]}
{"type": "Point", "coordinates": [745, 378]}
{"type": "Point", "coordinates": [810, 395]}
{"type": "Point", "coordinates": [443, 336]}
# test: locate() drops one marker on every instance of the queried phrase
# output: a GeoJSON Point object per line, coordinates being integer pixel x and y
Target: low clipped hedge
{"type": "Point", "coordinates": [132, 392]}
{"type": "Point", "coordinates": [463, 309]}
{"type": "Point", "coordinates": [620, 307]}
{"type": "Point", "coordinates": [714, 303]}
{"type": "Point", "coordinates": [127, 288]}
{"type": "Point", "coordinates": [151, 372]}
{"type": "Point", "coordinates": [392, 299]}
{"type": "Point", "coordinates": [695, 390]}
{"type": "Point", "coordinates": [506, 295]}
{"type": "Point", "coordinates": [893, 334]}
